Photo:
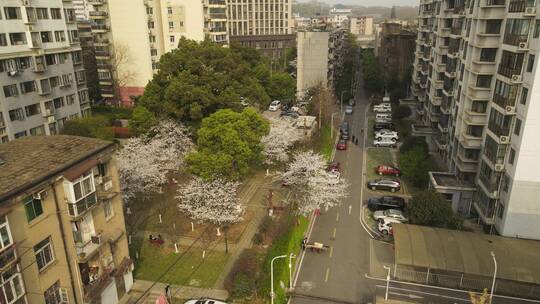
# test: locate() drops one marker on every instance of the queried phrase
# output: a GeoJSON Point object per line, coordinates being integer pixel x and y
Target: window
{"type": "Point", "coordinates": [42, 13]}
{"type": "Point", "coordinates": [3, 40]}
{"type": "Point", "coordinates": [53, 294]}
{"type": "Point", "coordinates": [84, 187]}
{"type": "Point", "coordinates": [20, 134]}
{"type": "Point", "coordinates": [171, 39]}
{"type": "Point", "coordinates": [17, 38]}
{"type": "Point", "coordinates": [37, 131]}
{"type": "Point", "coordinates": [74, 34]}
{"type": "Point", "coordinates": [108, 209]}
{"type": "Point", "coordinates": [512, 156]}
{"type": "Point", "coordinates": [483, 81]}
{"type": "Point", "coordinates": [12, 13]}
{"type": "Point", "coordinates": [153, 52]}
{"type": "Point", "coordinates": [33, 207]}
{"type": "Point", "coordinates": [11, 90]}
{"type": "Point", "coordinates": [58, 102]}
{"type": "Point", "coordinates": [152, 38]}
{"type": "Point", "coordinates": [46, 37]}
{"type": "Point", "coordinates": [56, 13]}
{"type": "Point", "coordinates": [536, 33]}
{"type": "Point", "coordinates": [169, 10]}
{"type": "Point", "coordinates": [171, 25]}
{"type": "Point", "coordinates": [50, 59]}
{"type": "Point", "coordinates": [5, 233]}
{"type": "Point", "coordinates": [55, 81]}
{"type": "Point", "coordinates": [44, 253]}
{"type": "Point", "coordinates": [67, 79]}
{"type": "Point", "coordinates": [500, 211]}
{"type": "Point", "coordinates": [32, 110]}
{"type": "Point", "coordinates": [11, 286]}
{"type": "Point", "coordinates": [83, 96]}
{"type": "Point", "coordinates": [60, 36]}
{"type": "Point", "coordinates": [28, 87]}
{"type": "Point", "coordinates": [488, 55]}
{"type": "Point", "coordinates": [530, 63]}
{"type": "Point", "coordinates": [77, 57]}
{"type": "Point", "coordinates": [149, 10]}
{"type": "Point", "coordinates": [493, 26]}
{"type": "Point", "coordinates": [517, 128]}
{"type": "Point", "coordinates": [70, 99]}
{"type": "Point", "coordinates": [524, 93]}
{"type": "Point", "coordinates": [150, 24]}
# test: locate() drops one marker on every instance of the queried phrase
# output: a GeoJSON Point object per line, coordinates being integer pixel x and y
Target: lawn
{"type": "Point", "coordinates": [191, 270]}
{"type": "Point", "coordinates": [327, 142]}
{"type": "Point", "coordinates": [288, 243]}
{"type": "Point", "coordinates": [375, 157]}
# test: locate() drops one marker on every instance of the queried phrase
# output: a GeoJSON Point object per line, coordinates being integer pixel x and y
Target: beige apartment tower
{"type": "Point", "coordinates": [62, 227]}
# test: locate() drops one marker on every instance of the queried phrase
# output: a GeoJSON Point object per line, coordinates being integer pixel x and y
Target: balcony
{"type": "Point", "coordinates": [218, 16]}
{"type": "Point", "coordinates": [82, 206]}
{"type": "Point", "coordinates": [216, 2]}
{"type": "Point", "coordinates": [97, 2]}
{"type": "Point", "coordinates": [101, 41]}
{"type": "Point", "coordinates": [517, 6]}
{"type": "Point", "coordinates": [8, 257]}
{"type": "Point", "coordinates": [465, 164]}
{"type": "Point", "coordinates": [105, 276]}
{"type": "Point", "coordinates": [100, 28]}
{"type": "Point", "coordinates": [85, 251]}
{"type": "Point", "coordinates": [102, 53]}
{"type": "Point", "coordinates": [484, 205]}
{"type": "Point", "coordinates": [504, 102]}
{"type": "Point", "coordinates": [498, 130]}
{"type": "Point", "coordinates": [456, 31]}
{"type": "Point", "coordinates": [478, 93]}
{"type": "Point", "coordinates": [470, 141]}
{"type": "Point", "coordinates": [489, 3]}
{"type": "Point", "coordinates": [446, 105]}
{"type": "Point", "coordinates": [516, 40]}
{"type": "Point", "coordinates": [441, 141]}
{"type": "Point", "coordinates": [98, 14]}
{"type": "Point", "coordinates": [474, 118]}
{"type": "Point", "coordinates": [490, 183]}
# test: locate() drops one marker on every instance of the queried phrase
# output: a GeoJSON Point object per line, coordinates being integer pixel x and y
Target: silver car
{"type": "Point", "coordinates": [348, 109]}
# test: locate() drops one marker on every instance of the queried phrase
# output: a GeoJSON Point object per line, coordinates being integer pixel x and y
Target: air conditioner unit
{"type": "Point", "coordinates": [516, 78]}
{"type": "Point", "coordinates": [13, 73]}
{"type": "Point", "coordinates": [523, 46]}
{"type": "Point", "coordinates": [510, 109]}
{"type": "Point", "coordinates": [37, 196]}
{"type": "Point", "coordinates": [63, 295]}
{"type": "Point", "coordinates": [504, 139]}
{"type": "Point", "coordinates": [530, 11]}
{"type": "Point", "coordinates": [107, 186]}
{"type": "Point", "coordinates": [499, 167]}
{"type": "Point", "coordinates": [442, 147]}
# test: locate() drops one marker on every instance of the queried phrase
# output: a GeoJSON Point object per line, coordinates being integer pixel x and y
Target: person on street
{"type": "Point", "coordinates": [353, 138]}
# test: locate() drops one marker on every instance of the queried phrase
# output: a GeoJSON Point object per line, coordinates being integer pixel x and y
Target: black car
{"type": "Point", "coordinates": [344, 127]}
{"type": "Point", "coordinates": [383, 125]}
{"type": "Point", "coordinates": [289, 113]}
{"type": "Point", "coordinates": [344, 135]}
{"type": "Point", "coordinates": [386, 202]}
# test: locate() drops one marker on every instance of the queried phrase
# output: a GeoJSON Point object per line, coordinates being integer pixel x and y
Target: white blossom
{"type": "Point", "coordinates": [214, 201]}
{"type": "Point", "coordinates": [143, 162]}
{"type": "Point", "coordinates": [311, 186]}
{"type": "Point", "coordinates": [281, 137]}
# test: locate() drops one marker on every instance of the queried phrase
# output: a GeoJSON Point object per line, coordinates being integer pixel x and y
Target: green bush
{"type": "Point", "coordinates": [401, 112]}
{"type": "Point", "coordinates": [242, 286]}
{"type": "Point", "coordinates": [247, 267]}
{"type": "Point", "coordinates": [413, 142]}
{"type": "Point", "coordinates": [429, 208]}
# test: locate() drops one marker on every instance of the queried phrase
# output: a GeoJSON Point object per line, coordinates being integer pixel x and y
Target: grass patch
{"type": "Point", "coordinates": [375, 157]}
{"type": "Point", "coordinates": [287, 243]}
{"type": "Point", "coordinates": [327, 142]}
{"type": "Point", "coordinates": [192, 270]}
{"type": "Point", "coordinates": [371, 136]}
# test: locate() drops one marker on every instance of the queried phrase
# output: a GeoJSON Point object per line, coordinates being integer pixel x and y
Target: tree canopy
{"type": "Point", "coordinates": [197, 79]}
{"type": "Point", "coordinates": [429, 208]}
{"type": "Point", "coordinates": [95, 126]}
{"type": "Point", "coordinates": [228, 143]}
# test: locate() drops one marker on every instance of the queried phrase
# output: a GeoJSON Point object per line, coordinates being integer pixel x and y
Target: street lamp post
{"type": "Point", "coordinates": [494, 276]}
{"type": "Point", "coordinates": [341, 102]}
{"type": "Point", "coordinates": [387, 282]}
{"type": "Point", "coordinates": [291, 256]}
{"type": "Point", "coordinates": [272, 294]}
{"type": "Point", "coordinates": [332, 124]}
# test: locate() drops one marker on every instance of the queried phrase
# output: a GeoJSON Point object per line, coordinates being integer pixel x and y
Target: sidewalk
{"type": "Point", "coordinates": [178, 292]}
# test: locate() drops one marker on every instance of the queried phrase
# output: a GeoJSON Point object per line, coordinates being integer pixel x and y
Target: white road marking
{"type": "Point", "coordinates": [425, 293]}
{"type": "Point", "coordinates": [327, 274]}
{"type": "Point", "coordinates": [350, 209]}
{"type": "Point", "coordinates": [334, 233]}
{"type": "Point", "coordinates": [331, 251]}
{"type": "Point", "coordinates": [337, 217]}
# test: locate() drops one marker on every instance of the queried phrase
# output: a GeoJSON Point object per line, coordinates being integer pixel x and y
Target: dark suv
{"type": "Point", "coordinates": [383, 125]}
{"type": "Point", "coordinates": [386, 202]}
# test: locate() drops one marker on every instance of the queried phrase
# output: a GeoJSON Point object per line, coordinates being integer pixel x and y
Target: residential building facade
{"type": "Point", "coordinates": [42, 76]}
{"type": "Point", "coordinates": [396, 49]}
{"type": "Point", "coordinates": [131, 35]}
{"type": "Point", "coordinates": [476, 76]}
{"type": "Point", "coordinates": [363, 29]}
{"type": "Point", "coordinates": [61, 222]}
{"type": "Point", "coordinates": [263, 24]}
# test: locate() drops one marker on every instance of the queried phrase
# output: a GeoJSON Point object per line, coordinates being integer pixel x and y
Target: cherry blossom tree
{"type": "Point", "coordinates": [311, 186]}
{"type": "Point", "coordinates": [211, 201]}
{"type": "Point", "coordinates": [279, 140]}
{"type": "Point", "coordinates": [143, 162]}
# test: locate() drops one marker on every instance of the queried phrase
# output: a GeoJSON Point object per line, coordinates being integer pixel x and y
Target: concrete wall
{"type": "Point", "coordinates": [312, 67]}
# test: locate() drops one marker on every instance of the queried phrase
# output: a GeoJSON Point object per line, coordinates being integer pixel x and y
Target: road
{"type": "Point", "coordinates": [340, 274]}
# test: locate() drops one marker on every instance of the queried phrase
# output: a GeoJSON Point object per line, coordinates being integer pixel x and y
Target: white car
{"type": "Point", "coordinates": [334, 175]}
{"type": "Point", "coordinates": [274, 105]}
{"type": "Point", "coordinates": [392, 135]}
{"type": "Point", "coordinates": [395, 214]}
{"type": "Point", "coordinates": [204, 301]}
{"type": "Point", "coordinates": [382, 108]}
{"type": "Point", "coordinates": [384, 142]}
{"type": "Point", "coordinates": [385, 226]}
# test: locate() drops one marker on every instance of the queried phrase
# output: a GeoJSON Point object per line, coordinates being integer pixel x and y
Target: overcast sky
{"type": "Point", "coordinates": [388, 3]}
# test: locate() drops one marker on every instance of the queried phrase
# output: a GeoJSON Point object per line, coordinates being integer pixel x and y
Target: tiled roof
{"type": "Point", "coordinates": [28, 159]}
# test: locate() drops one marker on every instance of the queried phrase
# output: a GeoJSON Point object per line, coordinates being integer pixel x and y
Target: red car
{"type": "Point", "coordinates": [334, 166]}
{"type": "Point", "coordinates": [341, 145]}
{"type": "Point", "coordinates": [387, 170]}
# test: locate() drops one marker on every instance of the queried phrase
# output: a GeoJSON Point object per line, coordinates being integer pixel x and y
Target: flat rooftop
{"type": "Point", "coordinates": [445, 179]}
{"type": "Point", "coordinates": [467, 252]}
{"type": "Point", "coordinates": [30, 159]}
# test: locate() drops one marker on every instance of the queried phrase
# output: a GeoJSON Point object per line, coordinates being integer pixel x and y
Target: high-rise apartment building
{"type": "Point", "coordinates": [62, 231]}
{"type": "Point", "coordinates": [262, 24]}
{"type": "Point", "coordinates": [42, 77]}
{"type": "Point", "coordinates": [395, 50]}
{"type": "Point", "coordinates": [476, 78]}
{"type": "Point", "coordinates": [131, 35]}
{"type": "Point", "coordinates": [82, 9]}
{"type": "Point", "coordinates": [361, 26]}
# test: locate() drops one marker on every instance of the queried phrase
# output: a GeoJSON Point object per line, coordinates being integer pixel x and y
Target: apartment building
{"type": "Point", "coordinates": [263, 24]}
{"type": "Point", "coordinates": [82, 9]}
{"type": "Point", "coordinates": [42, 76]}
{"type": "Point", "coordinates": [61, 222]}
{"type": "Point", "coordinates": [131, 35]}
{"type": "Point", "coordinates": [476, 78]}
{"type": "Point", "coordinates": [361, 26]}
{"type": "Point", "coordinates": [396, 49]}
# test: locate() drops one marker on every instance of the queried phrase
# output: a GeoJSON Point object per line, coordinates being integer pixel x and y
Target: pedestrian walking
{"type": "Point", "coordinates": [168, 291]}
{"type": "Point", "coordinates": [353, 138]}
{"type": "Point", "coordinates": [356, 141]}
{"type": "Point", "coordinates": [304, 242]}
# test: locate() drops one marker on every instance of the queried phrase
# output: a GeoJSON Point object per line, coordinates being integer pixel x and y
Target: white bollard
{"type": "Point", "coordinates": [128, 210]}
{"type": "Point", "coordinates": [174, 226]}
{"type": "Point", "coordinates": [160, 218]}
{"type": "Point", "coordinates": [267, 172]}
{"type": "Point", "coordinates": [175, 247]}
{"type": "Point", "coordinates": [203, 254]}
{"type": "Point", "coordinates": [218, 233]}
{"type": "Point", "coordinates": [192, 227]}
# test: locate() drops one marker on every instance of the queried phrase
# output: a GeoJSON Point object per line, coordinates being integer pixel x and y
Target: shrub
{"type": "Point", "coordinates": [401, 112]}
{"type": "Point", "coordinates": [413, 142]}
{"type": "Point", "coordinates": [242, 286]}
{"type": "Point", "coordinates": [258, 238]}
{"type": "Point", "coordinates": [248, 265]}
{"type": "Point", "coordinates": [429, 208]}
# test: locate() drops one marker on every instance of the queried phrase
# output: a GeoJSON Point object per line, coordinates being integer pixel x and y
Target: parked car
{"type": "Point", "coordinates": [383, 126]}
{"type": "Point", "coordinates": [289, 113]}
{"type": "Point", "coordinates": [382, 108]}
{"type": "Point", "coordinates": [384, 184]}
{"type": "Point", "coordinates": [386, 202]}
{"type": "Point", "coordinates": [204, 301]}
{"type": "Point", "coordinates": [383, 105]}
{"type": "Point", "coordinates": [348, 109]}
{"type": "Point", "coordinates": [344, 126]}
{"type": "Point", "coordinates": [392, 135]}
{"type": "Point", "coordinates": [383, 120]}
{"type": "Point", "coordinates": [344, 135]}
{"type": "Point", "coordinates": [385, 226]}
{"type": "Point", "coordinates": [341, 145]}
{"type": "Point", "coordinates": [334, 176]}
{"type": "Point", "coordinates": [385, 132]}
{"type": "Point", "coordinates": [395, 214]}
{"type": "Point", "coordinates": [274, 105]}
{"type": "Point", "coordinates": [334, 166]}
{"type": "Point", "coordinates": [387, 170]}
{"type": "Point", "coordinates": [384, 142]}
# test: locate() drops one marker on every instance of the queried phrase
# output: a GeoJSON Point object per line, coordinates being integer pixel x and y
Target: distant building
{"type": "Point", "coordinates": [362, 28]}
{"type": "Point", "coordinates": [396, 50]}
{"type": "Point", "coordinates": [82, 9]}
{"type": "Point", "coordinates": [393, 14]}
{"type": "Point", "coordinates": [338, 17]}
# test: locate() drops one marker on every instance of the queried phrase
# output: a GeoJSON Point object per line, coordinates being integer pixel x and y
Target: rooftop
{"type": "Point", "coordinates": [449, 180]}
{"type": "Point", "coordinates": [28, 160]}
{"type": "Point", "coordinates": [467, 252]}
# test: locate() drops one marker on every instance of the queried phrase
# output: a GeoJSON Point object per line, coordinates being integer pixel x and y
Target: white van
{"type": "Point", "coordinates": [383, 116]}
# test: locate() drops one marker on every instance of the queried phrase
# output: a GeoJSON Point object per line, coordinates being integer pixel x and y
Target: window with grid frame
{"type": "Point", "coordinates": [44, 253]}
{"type": "Point", "coordinates": [33, 208]}
{"type": "Point", "coordinates": [53, 294]}
{"type": "Point", "coordinates": [5, 234]}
